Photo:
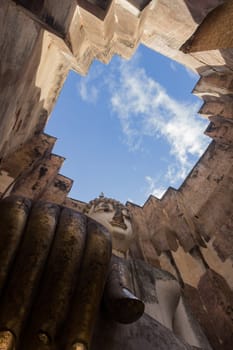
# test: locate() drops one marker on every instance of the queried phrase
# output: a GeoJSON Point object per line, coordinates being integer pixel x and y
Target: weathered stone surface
{"type": "Point", "coordinates": [220, 106]}
{"type": "Point", "coordinates": [19, 163]}
{"type": "Point", "coordinates": [216, 31]}
{"type": "Point", "coordinates": [178, 218]}
{"type": "Point", "coordinates": [32, 72]}
{"type": "Point", "coordinates": [17, 51]}
{"type": "Point", "coordinates": [212, 225]}
{"type": "Point", "coordinates": [138, 220]}
{"type": "Point", "coordinates": [199, 311]}
{"type": "Point", "coordinates": [58, 190]}
{"type": "Point", "coordinates": [220, 130]}
{"type": "Point", "coordinates": [185, 263]}
{"type": "Point", "coordinates": [57, 17]}
{"type": "Point", "coordinates": [199, 10]}
{"type": "Point", "coordinates": [35, 182]}
{"type": "Point", "coordinates": [26, 155]}
{"type": "Point", "coordinates": [223, 239]}
{"type": "Point", "coordinates": [217, 299]}
{"type": "Point", "coordinates": [219, 60]}
{"type": "Point", "coordinates": [216, 84]}
{"type": "Point", "coordinates": [174, 22]}
{"type": "Point", "coordinates": [74, 204]}
{"type": "Point", "coordinates": [160, 232]}
{"type": "Point", "coordinates": [143, 334]}
{"type": "Point", "coordinates": [171, 24]}
{"type": "Point", "coordinates": [217, 255]}
{"type": "Point", "coordinates": [216, 161]}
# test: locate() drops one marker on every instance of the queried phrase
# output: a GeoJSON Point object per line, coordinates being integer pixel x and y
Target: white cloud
{"type": "Point", "coordinates": [153, 188]}
{"type": "Point", "coordinates": [173, 66]}
{"type": "Point", "coordinates": [145, 109]}
{"type": "Point", "coordinates": [86, 86]}
{"type": "Point", "coordinates": [88, 94]}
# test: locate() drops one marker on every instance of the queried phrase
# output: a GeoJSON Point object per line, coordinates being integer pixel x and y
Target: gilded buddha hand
{"type": "Point", "coordinates": [53, 268]}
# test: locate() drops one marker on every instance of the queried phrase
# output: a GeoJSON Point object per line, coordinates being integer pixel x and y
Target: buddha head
{"type": "Point", "coordinates": [116, 218]}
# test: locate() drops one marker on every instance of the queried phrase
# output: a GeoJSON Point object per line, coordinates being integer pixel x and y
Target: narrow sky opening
{"type": "Point", "coordinates": [129, 128]}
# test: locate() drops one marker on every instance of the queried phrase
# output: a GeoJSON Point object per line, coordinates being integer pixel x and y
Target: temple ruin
{"type": "Point", "coordinates": [189, 232]}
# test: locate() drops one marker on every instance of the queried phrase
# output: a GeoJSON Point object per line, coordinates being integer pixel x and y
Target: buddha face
{"type": "Point", "coordinates": [116, 218]}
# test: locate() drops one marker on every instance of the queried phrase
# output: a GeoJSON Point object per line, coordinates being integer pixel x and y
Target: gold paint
{"type": "Point", "coordinates": [90, 285]}
{"type": "Point", "coordinates": [25, 275]}
{"type": "Point", "coordinates": [7, 340]}
{"type": "Point", "coordinates": [78, 346]}
{"type": "Point", "coordinates": [44, 338]}
{"type": "Point", "coordinates": [61, 273]}
{"type": "Point", "coordinates": [13, 215]}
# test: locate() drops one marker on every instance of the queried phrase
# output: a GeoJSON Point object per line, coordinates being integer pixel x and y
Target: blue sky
{"type": "Point", "coordinates": [129, 128]}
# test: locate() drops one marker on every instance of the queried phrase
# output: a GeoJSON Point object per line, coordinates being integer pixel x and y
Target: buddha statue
{"type": "Point", "coordinates": [119, 298]}
{"type": "Point", "coordinates": [66, 282]}
{"type": "Point", "coordinates": [158, 289]}
{"type": "Point", "coordinates": [116, 218]}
